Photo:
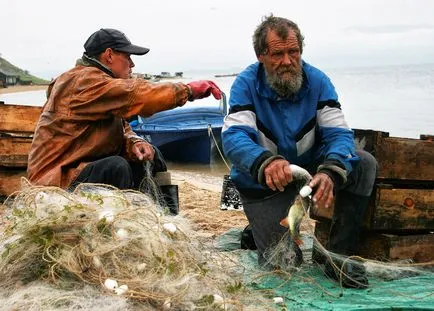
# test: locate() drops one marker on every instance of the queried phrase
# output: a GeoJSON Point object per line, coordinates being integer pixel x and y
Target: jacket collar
{"type": "Point", "coordinates": [264, 89]}
{"type": "Point", "coordinates": [93, 62]}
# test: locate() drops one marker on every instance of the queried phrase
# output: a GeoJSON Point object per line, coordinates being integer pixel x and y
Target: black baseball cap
{"type": "Point", "coordinates": [105, 38]}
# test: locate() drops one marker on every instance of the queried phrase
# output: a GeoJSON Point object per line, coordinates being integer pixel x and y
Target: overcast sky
{"type": "Point", "coordinates": [47, 36]}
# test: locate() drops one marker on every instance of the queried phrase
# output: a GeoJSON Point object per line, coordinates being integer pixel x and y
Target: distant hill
{"type": "Point", "coordinates": [24, 75]}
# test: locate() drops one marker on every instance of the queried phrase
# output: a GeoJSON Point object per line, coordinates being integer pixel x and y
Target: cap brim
{"type": "Point", "coordinates": [133, 49]}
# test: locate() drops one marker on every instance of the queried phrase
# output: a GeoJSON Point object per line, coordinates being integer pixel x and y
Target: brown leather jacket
{"type": "Point", "coordinates": [82, 120]}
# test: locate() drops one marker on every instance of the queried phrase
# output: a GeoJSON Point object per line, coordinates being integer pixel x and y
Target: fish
{"type": "Point", "coordinates": [296, 213]}
{"type": "Point", "coordinates": [293, 220]}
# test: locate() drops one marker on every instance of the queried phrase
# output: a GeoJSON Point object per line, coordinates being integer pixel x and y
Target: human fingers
{"type": "Point", "coordinates": [215, 91]}
{"type": "Point", "coordinates": [144, 151]}
{"type": "Point", "coordinates": [288, 173]}
{"type": "Point", "coordinates": [323, 186]}
{"type": "Point", "coordinates": [276, 174]}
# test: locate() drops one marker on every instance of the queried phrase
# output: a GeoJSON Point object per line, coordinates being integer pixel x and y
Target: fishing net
{"type": "Point", "coordinates": [101, 248]}
{"type": "Point", "coordinates": [121, 243]}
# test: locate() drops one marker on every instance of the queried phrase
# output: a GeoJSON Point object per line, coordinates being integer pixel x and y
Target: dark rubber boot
{"type": "Point", "coordinates": [247, 241]}
{"type": "Point", "coordinates": [170, 198]}
{"type": "Point", "coordinates": [350, 273]}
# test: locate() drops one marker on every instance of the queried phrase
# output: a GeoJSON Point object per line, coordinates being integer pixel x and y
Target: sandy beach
{"type": "Point", "coordinates": [199, 196]}
{"type": "Point", "coordinates": [22, 88]}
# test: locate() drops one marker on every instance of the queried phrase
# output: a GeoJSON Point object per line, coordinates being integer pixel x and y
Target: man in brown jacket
{"type": "Point", "coordinates": [82, 135]}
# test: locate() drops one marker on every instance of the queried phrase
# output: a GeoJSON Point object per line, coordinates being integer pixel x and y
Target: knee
{"type": "Point", "coordinates": [367, 171]}
{"type": "Point", "coordinates": [120, 165]}
{"type": "Point", "coordinates": [368, 163]}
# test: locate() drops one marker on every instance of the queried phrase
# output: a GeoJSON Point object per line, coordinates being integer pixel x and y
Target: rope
{"type": "Point", "coordinates": [211, 134]}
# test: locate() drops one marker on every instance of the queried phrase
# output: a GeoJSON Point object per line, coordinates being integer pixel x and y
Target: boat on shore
{"type": "Point", "coordinates": [185, 134]}
{"type": "Point", "coordinates": [226, 75]}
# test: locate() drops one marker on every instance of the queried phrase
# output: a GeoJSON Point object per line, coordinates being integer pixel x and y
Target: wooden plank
{"type": "Point", "coordinates": [14, 151]}
{"type": "Point", "coordinates": [419, 248]}
{"type": "Point", "coordinates": [394, 210]}
{"type": "Point", "coordinates": [406, 159]}
{"type": "Point", "coordinates": [387, 247]}
{"type": "Point", "coordinates": [403, 209]}
{"type": "Point", "coordinates": [402, 159]}
{"type": "Point", "coordinates": [10, 180]}
{"type": "Point", "coordinates": [17, 118]}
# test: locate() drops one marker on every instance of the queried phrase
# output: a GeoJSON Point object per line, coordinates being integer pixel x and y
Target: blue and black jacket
{"type": "Point", "coordinates": [308, 130]}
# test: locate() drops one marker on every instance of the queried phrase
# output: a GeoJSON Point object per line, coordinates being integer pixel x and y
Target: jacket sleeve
{"type": "Point", "coordinates": [100, 96]}
{"type": "Point", "coordinates": [240, 136]}
{"type": "Point", "coordinates": [337, 139]}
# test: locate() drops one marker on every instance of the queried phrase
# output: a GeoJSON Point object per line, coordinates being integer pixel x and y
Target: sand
{"type": "Point", "coordinates": [199, 200]}
{"type": "Point", "coordinates": [22, 88]}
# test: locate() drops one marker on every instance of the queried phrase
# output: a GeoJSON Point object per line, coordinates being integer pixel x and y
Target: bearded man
{"type": "Point", "coordinates": [282, 111]}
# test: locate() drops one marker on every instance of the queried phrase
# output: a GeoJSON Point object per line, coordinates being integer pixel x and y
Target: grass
{"type": "Point", "coordinates": [23, 74]}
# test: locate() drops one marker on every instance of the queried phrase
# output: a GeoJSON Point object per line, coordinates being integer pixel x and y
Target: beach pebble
{"type": "Point", "coordinates": [305, 191]}
{"type": "Point", "coordinates": [110, 284]}
{"type": "Point", "coordinates": [169, 227]}
{"type": "Point", "coordinates": [121, 290]}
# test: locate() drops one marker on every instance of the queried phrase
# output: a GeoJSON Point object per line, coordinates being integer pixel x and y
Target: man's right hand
{"type": "Point", "coordinates": [204, 88]}
{"type": "Point", "coordinates": [278, 174]}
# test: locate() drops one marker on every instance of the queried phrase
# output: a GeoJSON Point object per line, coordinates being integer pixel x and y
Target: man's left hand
{"type": "Point", "coordinates": [323, 188]}
{"type": "Point", "coordinates": [143, 151]}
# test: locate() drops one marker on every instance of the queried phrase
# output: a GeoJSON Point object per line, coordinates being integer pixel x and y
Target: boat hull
{"type": "Point", "coordinates": [184, 134]}
{"type": "Point", "coordinates": [185, 146]}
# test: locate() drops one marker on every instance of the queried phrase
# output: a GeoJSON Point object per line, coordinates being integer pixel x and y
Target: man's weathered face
{"type": "Point", "coordinates": [121, 64]}
{"type": "Point", "coordinates": [282, 63]}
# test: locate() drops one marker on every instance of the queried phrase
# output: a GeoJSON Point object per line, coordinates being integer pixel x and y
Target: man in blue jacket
{"type": "Point", "coordinates": [282, 111]}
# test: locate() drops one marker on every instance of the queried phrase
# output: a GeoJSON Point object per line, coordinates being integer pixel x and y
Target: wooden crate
{"type": "Point", "coordinates": [403, 198]}
{"type": "Point", "coordinates": [406, 210]}
{"type": "Point", "coordinates": [394, 210]}
{"type": "Point", "coordinates": [401, 160]}
{"type": "Point", "coordinates": [387, 247]}
{"type": "Point", "coordinates": [10, 180]}
{"type": "Point", "coordinates": [14, 151]}
{"type": "Point", "coordinates": [19, 119]}
{"type": "Point", "coordinates": [17, 124]}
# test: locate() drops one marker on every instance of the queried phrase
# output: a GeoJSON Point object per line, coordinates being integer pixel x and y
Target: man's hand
{"type": "Point", "coordinates": [278, 174]}
{"type": "Point", "coordinates": [204, 88]}
{"type": "Point", "coordinates": [143, 151]}
{"type": "Point", "coordinates": [323, 189]}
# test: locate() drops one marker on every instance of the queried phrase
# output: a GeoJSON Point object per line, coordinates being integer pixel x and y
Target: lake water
{"type": "Point", "coordinates": [398, 100]}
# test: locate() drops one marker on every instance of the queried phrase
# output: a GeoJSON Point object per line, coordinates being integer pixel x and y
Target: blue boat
{"type": "Point", "coordinates": [185, 134]}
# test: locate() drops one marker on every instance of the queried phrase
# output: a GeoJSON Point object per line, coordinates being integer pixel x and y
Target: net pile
{"type": "Point", "coordinates": [121, 242]}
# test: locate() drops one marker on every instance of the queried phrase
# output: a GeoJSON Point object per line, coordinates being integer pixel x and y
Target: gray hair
{"type": "Point", "coordinates": [281, 26]}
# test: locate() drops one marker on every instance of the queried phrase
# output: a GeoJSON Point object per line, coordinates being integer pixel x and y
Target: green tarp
{"type": "Point", "coordinates": [309, 289]}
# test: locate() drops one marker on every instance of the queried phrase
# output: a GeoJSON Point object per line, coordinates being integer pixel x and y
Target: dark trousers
{"type": "Point", "coordinates": [114, 170]}
{"type": "Point", "coordinates": [118, 172]}
{"type": "Point", "coordinates": [265, 214]}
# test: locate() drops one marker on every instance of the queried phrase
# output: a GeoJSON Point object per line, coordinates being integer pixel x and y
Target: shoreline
{"type": "Point", "coordinates": [22, 88]}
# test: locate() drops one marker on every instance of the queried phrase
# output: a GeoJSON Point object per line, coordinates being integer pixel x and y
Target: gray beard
{"type": "Point", "coordinates": [286, 88]}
